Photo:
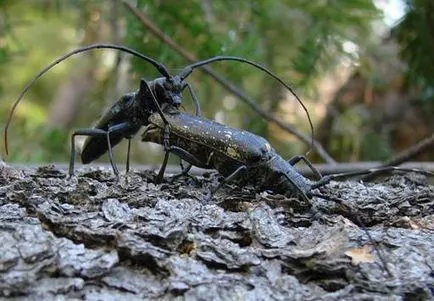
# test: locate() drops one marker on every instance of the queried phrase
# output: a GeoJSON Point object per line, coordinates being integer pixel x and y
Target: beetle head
{"type": "Point", "coordinates": [172, 90]}
{"type": "Point", "coordinates": [162, 90]}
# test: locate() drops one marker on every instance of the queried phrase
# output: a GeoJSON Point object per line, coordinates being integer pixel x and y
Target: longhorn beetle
{"type": "Point", "coordinates": [131, 111]}
{"type": "Point", "coordinates": [236, 153]}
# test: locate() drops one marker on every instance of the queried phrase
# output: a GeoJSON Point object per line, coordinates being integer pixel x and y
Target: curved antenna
{"type": "Point", "coordinates": [354, 213]}
{"type": "Point", "coordinates": [189, 69]}
{"type": "Point", "coordinates": [160, 67]}
{"type": "Point", "coordinates": [373, 171]}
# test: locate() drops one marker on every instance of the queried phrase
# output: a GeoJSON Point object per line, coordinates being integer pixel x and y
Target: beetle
{"type": "Point", "coordinates": [131, 111]}
{"type": "Point", "coordinates": [236, 153]}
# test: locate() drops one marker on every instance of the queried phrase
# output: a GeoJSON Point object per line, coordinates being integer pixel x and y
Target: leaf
{"type": "Point", "coordinates": [360, 255]}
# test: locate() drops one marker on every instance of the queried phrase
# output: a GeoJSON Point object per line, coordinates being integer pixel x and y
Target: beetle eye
{"type": "Point", "coordinates": [255, 158]}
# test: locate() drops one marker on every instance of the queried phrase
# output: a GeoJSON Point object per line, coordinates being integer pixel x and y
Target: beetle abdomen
{"type": "Point", "coordinates": [97, 146]}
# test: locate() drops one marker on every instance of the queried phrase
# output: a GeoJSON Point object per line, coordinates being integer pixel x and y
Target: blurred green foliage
{"type": "Point", "coordinates": [415, 34]}
{"type": "Point", "coordinates": [363, 127]}
{"type": "Point", "coordinates": [299, 40]}
{"type": "Point", "coordinates": [23, 27]}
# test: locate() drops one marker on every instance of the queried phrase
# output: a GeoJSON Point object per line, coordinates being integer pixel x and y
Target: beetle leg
{"type": "Point", "coordinates": [92, 133]}
{"type": "Point", "coordinates": [162, 168]}
{"type": "Point", "coordinates": [177, 151]}
{"type": "Point", "coordinates": [184, 171]}
{"type": "Point", "coordinates": [127, 167]}
{"type": "Point", "coordinates": [197, 112]}
{"type": "Point", "coordinates": [121, 127]}
{"type": "Point", "coordinates": [240, 169]}
{"type": "Point", "coordinates": [181, 153]}
{"type": "Point", "coordinates": [186, 156]}
{"type": "Point", "coordinates": [294, 160]}
{"type": "Point", "coordinates": [110, 154]}
{"type": "Point", "coordinates": [195, 101]}
{"type": "Point", "coordinates": [72, 156]}
{"type": "Point", "coordinates": [166, 155]}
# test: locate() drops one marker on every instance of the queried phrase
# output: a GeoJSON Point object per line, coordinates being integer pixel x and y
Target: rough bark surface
{"type": "Point", "coordinates": [94, 238]}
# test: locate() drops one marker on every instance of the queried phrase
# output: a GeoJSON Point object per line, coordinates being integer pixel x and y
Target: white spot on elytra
{"type": "Point", "coordinates": [268, 147]}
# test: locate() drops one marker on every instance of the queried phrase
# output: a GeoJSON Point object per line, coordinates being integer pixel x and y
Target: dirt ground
{"type": "Point", "coordinates": [91, 237]}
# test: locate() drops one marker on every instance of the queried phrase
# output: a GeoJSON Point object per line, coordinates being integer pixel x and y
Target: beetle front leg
{"type": "Point", "coordinates": [195, 101]}
{"type": "Point", "coordinates": [184, 171]}
{"type": "Point", "coordinates": [162, 168]}
{"type": "Point", "coordinates": [229, 178]}
{"type": "Point", "coordinates": [166, 155]}
{"type": "Point", "coordinates": [294, 160]}
{"type": "Point", "coordinates": [181, 153]}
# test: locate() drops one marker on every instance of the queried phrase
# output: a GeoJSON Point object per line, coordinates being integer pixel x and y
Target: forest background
{"type": "Point", "coordinates": [363, 68]}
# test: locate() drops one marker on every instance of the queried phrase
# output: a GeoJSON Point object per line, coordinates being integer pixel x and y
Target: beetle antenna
{"type": "Point", "coordinates": [353, 212]}
{"type": "Point", "coordinates": [373, 171]}
{"type": "Point", "coordinates": [189, 69]}
{"type": "Point", "coordinates": [160, 67]}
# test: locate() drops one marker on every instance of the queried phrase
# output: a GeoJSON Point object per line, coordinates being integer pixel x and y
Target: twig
{"type": "Point", "coordinates": [227, 85]}
{"type": "Point", "coordinates": [411, 152]}
{"type": "Point", "coordinates": [406, 155]}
